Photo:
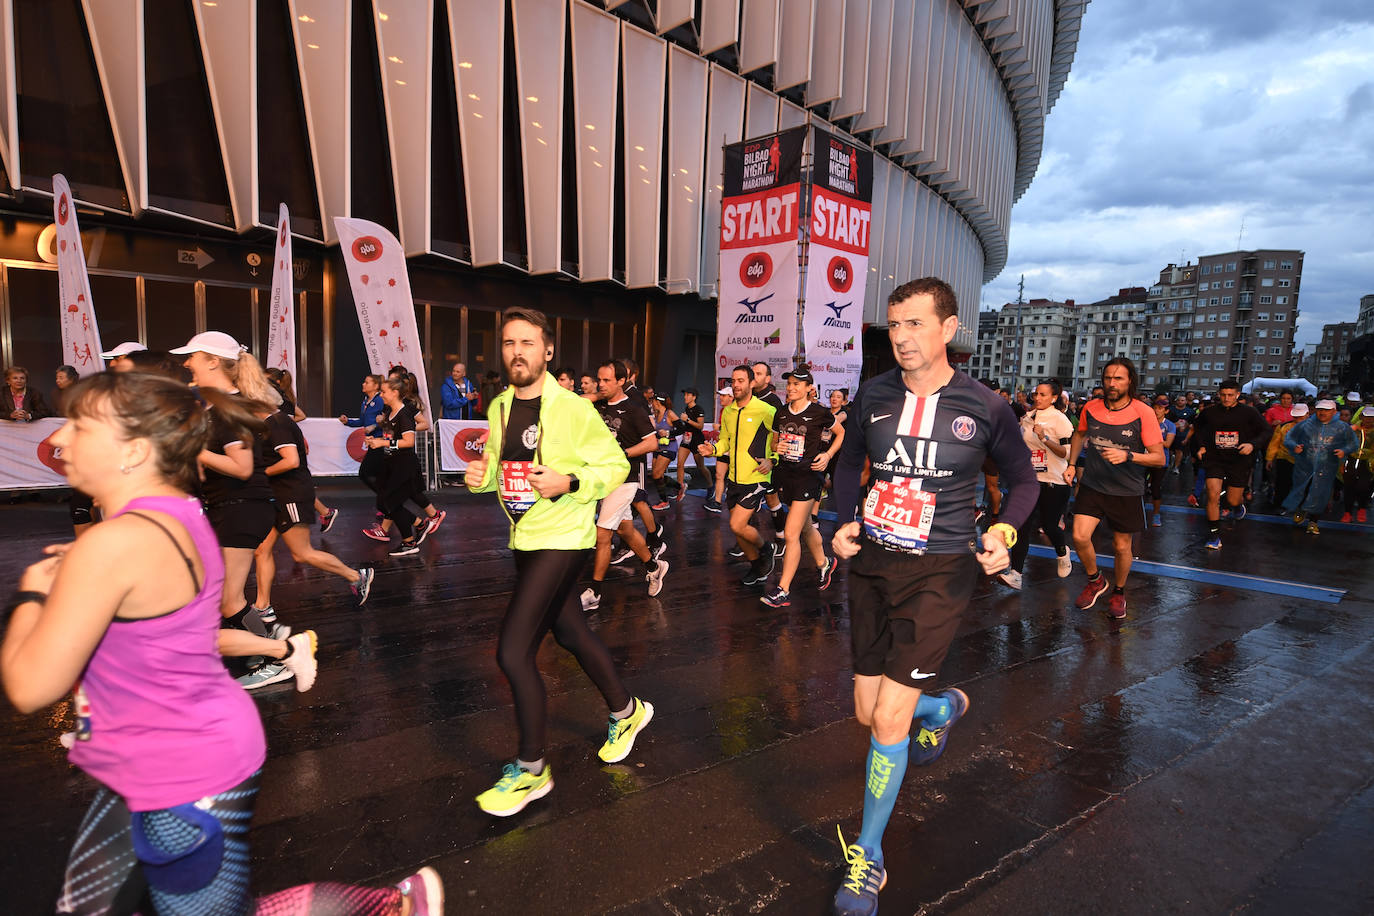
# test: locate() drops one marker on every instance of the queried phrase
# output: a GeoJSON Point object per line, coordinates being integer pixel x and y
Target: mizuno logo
{"type": "Point", "coordinates": [753, 304]}
{"type": "Point", "coordinates": [878, 416]}
{"type": "Point", "coordinates": [835, 322]}
{"type": "Point", "coordinates": [838, 309]}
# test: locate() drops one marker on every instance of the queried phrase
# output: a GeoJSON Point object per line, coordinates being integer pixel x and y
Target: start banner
{"type": "Point", "coordinates": [757, 319]}
{"type": "Point", "coordinates": [837, 262]}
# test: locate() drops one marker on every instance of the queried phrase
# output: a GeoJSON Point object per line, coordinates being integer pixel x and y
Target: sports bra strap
{"type": "Point", "coordinates": [190, 567]}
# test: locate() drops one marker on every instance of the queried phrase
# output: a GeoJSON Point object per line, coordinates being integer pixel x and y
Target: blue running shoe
{"type": "Point", "coordinates": [930, 742]}
{"type": "Point", "coordinates": [1214, 543]}
{"type": "Point", "coordinates": [1238, 513]}
{"type": "Point", "coordinates": [858, 894]}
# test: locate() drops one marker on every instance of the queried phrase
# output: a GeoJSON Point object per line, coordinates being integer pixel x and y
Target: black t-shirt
{"type": "Point", "coordinates": [220, 488]}
{"type": "Point", "coordinates": [770, 396]}
{"type": "Point", "coordinates": [630, 424]}
{"type": "Point", "coordinates": [519, 450]}
{"type": "Point", "coordinates": [695, 437]}
{"type": "Point", "coordinates": [295, 485]}
{"type": "Point", "coordinates": [799, 435]}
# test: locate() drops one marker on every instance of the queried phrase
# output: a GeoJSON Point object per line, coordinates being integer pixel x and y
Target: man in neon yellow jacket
{"type": "Point", "coordinates": [551, 458]}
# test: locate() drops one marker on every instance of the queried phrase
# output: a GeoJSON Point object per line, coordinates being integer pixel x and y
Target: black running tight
{"type": "Point", "coordinates": [545, 599]}
{"type": "Point", "coordinates": [104, 877]}
{"type": "Point", "coordinates": [1048, 512]}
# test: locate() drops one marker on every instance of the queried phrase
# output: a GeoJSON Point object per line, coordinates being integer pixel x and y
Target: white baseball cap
{"type": "Point", "coordinates": [1326, 404]}
{"type": "Point", "coordinates": [1299, 409]}
{"type": "Point", "coordinates": [726, 390]}
{"type": "Point", "coordinates": [1352, 396]}
{"type": "Point", "coordinates": [216, 343]}
{"type": "Point", "coordinates": [124, 349]}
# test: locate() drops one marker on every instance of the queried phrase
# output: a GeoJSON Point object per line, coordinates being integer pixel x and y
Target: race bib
{"type": "Point", "coordinates": [1038, 460]}
{"type": "Point", "coordinates": [791, 446]}
{"type": "Point", "coordinates": [899, 516]}
{"type": "Point", "coordinates": [1228, 439]}
{"type": "Point", "coordinates": [516, 493]}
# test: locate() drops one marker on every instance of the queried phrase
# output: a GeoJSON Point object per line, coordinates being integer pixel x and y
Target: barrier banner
{"type": "Point", "coordinates": [837, 262]}
{"type": "Point", "coordinates": [281, 327]}
{"type": "Point", "coordinates": [381, 292]}
{"type": "Point", "coordinates": [459, 443]}
{"type": "Point", "coordinates": [757, 319]}
{"type": "Point", "coordinates": [28, 460]}
{"type": "Point", "coordinates": [332, 449]}
{"type": "Point", "coordinates": [80, 336]}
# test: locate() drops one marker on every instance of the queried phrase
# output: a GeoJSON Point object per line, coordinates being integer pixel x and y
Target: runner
{"type": "Point", "coordinates": [294, 492]}
{"type": "Point", "coordinates": [746, 428]}
{"type": "Point", "coordinates": [802, 460]}
{"type": "Point", "coordinates": [370, 468]}
{"type": "Point", "coordinates": [693, 421]}
{"type": "Point", "coordinates": [1167, 433]}
{"type": "Point", "coordinates": [552, 458]}
{"type": "Point", "coordinates": [400, 475]}
{"type": "Point", "coordinates": [1229, 436]}
{"type": "Point", "coordinates": [1047, 434]}
{"type": "Point", "coordinates": [129, 613]}
{"type": "Point", "coordinates": [1117, 438]}
{"type": "Point", "coordinates": [763, 390]}
{"type": "Point", "coordinates": [635, 435]}
{"type": "Point", "coordinates": [716, 500]}
{"type": "Point", "coordinates": [926, 428]}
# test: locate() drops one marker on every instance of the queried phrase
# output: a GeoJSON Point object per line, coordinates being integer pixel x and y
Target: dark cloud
{"type": "Point", "coordinates": [1183, 120]}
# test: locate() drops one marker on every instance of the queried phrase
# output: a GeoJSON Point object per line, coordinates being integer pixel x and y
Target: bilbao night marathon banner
{"type": "Point", "coordinates": [757, 319]}
{"type": "Point", "coordinates": [837, 262]}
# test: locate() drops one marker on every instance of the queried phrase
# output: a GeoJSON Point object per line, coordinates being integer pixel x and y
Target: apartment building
{"type": "Point", "coordinates": [988, 350]}
{"type": "Point", "coordinates": [1229, 315]}
{"type": "Point", "coordinates": [1114, 326]}
{"type": "Point", "coordinates": [1329, 358]}
{"type": "Point", "coordinates": [1040, 347]}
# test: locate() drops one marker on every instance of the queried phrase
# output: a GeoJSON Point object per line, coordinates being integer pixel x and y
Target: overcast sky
{"type": "Point", "coordinates": [1180, 119]}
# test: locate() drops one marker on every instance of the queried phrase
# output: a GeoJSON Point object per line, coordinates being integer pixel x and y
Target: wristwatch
{"type": "Point", "coordinates": [573, 483]}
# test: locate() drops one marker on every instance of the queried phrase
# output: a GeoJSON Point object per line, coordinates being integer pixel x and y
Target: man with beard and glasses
{"type": "Point", "coordinates": [1117, 439]}
{"type": "Point", "coordinates": [551, 457]}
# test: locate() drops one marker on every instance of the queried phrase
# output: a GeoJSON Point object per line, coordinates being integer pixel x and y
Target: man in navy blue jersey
{"type": "Point", "coordinates": [926, 429]}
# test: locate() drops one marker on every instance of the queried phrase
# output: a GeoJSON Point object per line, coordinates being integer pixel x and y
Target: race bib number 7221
{"type": "Point", "coordinates": [898, 515]}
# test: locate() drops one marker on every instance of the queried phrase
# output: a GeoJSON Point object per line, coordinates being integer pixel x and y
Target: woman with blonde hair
{"type": "Point", "coordinates": [238, 497]}
{"type": "Point", "coordinates": [129, 613]}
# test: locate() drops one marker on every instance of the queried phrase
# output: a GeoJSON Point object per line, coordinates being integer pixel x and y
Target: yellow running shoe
{"type": "Point", "coordinates": [620, 737]}
{"type": "Point", "coordinates": [516, 788]}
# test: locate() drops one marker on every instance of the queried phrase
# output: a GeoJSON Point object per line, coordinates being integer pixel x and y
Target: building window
{"type": "Point", "coordinates": [1201, 287]}
{"type": "Point", "coordinates": [1214, 301]}
{"type": "Point", "coordinates": [1223, 332]}
{"type": "Point", "coordinates": [1225, 300]}
{"type": "Point", "coordinates": [1211, 333]}
{"type": "Point", "coordinates": [1268, 265]}
{"type": "Point", "coordinates": [1230, 267]}
{"type": "Point", "coordinates": [1224, 317]}
{"type": "Point", "coordinates": [1153, 351]}
{"type": "Point", "coordinates": [1280, 316]}
{"type": "Point", "coordinates": [1261, 316]}
{"type": "Point", "coordinates": [1285, 265]}
{"type": "Point", "coordinates": [1273, 367]}
{"type": "Point", "coordinates": [1276, 351]}
{"type": "Point", "coordinates": [1230, 284]}
{"type": "Point", "coordinates": [1168, 335]}
{"type": "Point", "coordinates": [1281, 300]}
{"type": "Point", "coordinates": [1206, 269]}
{"type": "Point", "coordinates": [1277, 334]}
{"type": "Point", "coordinates": [1266, 300]}
{"type": "Point", "coordinates": [1266, 281]}
{"type": "Point", "coordinates": [1194, 366]}
{"type": "Point", "coordinates": [1285, 283]}
{"type": "Point", "coordinates": [1154, 335]}
{"type": "Point", "coordinates": [1212, 317]}
{"type": "Point", "coordinates": [1198, 350]}
{"type": "Point", "coordinates": [1207, 350]}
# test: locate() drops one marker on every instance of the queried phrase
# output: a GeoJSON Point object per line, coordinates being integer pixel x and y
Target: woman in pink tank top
{"type": "Point", "coordinates": [130, 614]}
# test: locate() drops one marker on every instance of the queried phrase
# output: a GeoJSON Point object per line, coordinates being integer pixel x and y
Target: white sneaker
{"type": "Point", "coordinates": [301, 662]}
{"type": "Point", "coordinates": [655, 578]}
{"type": "Point", "coordinates": [1010, 578]}
{"type": "Point", "coordinates": [1065, 565]}
{"type": "Point", "coordinates": [590, 600]}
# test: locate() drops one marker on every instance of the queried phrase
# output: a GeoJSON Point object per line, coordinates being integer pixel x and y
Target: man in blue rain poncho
{"type": "Point", "coordinates": [1319, 444]}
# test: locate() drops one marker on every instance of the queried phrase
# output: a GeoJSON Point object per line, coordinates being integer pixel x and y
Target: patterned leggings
{"type": "Point", "coordinates": [103, 876]}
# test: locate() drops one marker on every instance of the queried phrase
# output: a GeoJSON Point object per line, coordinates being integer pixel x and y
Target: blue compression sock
{"type": "Point", "coordinates": [933, 710]}
{"type": "Point", "coordinates": [886, 767]}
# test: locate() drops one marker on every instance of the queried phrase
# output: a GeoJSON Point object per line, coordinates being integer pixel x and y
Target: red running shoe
{"type": "Point", "coordinates": [1091, 592]}
{"type": "Point", "coordinates": [1117, 606]}
{"type": "Point", "coordinates": [1361, 516]}
{"type": "Point", "coordinates": [377, 533]}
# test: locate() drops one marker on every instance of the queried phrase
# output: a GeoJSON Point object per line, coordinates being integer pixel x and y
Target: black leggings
{"type": "Point", "coordinates": [544, 600]}
{"type": "Point", "coordinates": [1046, 515]}
{"type": "Point", "coordinates": [104, 876]}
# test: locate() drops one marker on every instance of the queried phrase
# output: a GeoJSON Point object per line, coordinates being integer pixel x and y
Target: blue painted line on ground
{"type": "Point", "coordinates": [1275, 519]}
{"type": "Point", "coordinates": [1216, 577]}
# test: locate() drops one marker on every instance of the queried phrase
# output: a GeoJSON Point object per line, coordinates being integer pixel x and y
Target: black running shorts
{"type": "Point", "coordinates": [748, 495]}
{"type": "Point", "coordinates": [797, 484]}
{"type": "Point", "coordinates": [1235, 472]}
{"type": "Point", "coordinates": [241, 524]}
{"type": "Point", "coordinates": [291, 514]}
{"type": "Point", "coordinates": [1123, 514]}
{"type": "Point", "coordinates": [904, 611]}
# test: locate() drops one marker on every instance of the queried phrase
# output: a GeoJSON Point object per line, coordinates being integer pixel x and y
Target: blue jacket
{"type": "Point", "coordinates": [371, 409]}
{"type": "Point", "coordinates": [456, 400]}
{"type": "Point", "coordinates": [1314, 468]}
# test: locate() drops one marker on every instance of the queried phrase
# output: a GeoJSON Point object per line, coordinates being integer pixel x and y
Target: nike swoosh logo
{"type": "Point", "coordinates": [874, 418]}
{"type": "Point", "coordinates": [917, 674]}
